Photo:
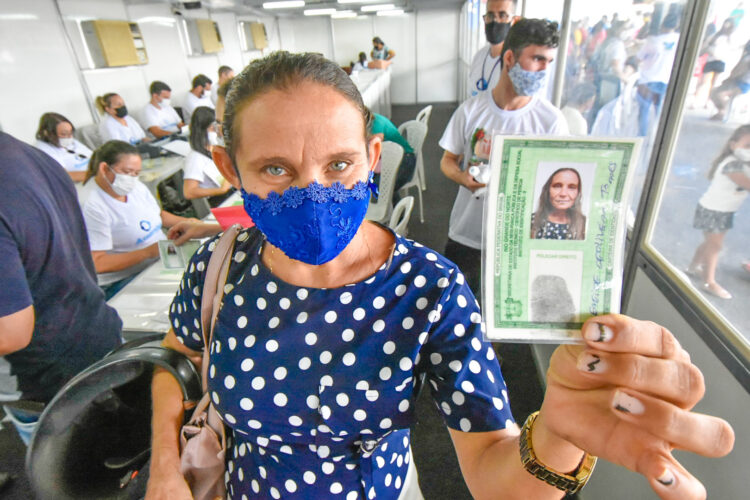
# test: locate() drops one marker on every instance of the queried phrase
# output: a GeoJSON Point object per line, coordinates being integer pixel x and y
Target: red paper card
{"type": "Point", "coordinates": [226, 216]}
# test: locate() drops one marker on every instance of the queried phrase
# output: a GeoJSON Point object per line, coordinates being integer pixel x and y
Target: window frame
{"type": "Point", "coordinates": [729, 345]}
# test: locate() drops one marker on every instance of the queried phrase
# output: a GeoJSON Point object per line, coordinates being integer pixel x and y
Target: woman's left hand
{"type": "Point", "coordinates": [626, 396]}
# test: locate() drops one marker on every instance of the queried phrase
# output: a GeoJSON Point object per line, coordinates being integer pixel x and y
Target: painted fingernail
{"type": "Point", "coordinates": [598, 332]}
{"type": "Point", "coordinates": [666, 478]}
{"type": "Point", "coordinates": [627, 404]}
{"type": "Point", "coordinates": [591, 363]}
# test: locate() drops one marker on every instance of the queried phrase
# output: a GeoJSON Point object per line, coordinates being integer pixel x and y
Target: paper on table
{"type": "Point", "coordinates": [539, 289]}
{"type": "Point", "coordinates": [182, 148]}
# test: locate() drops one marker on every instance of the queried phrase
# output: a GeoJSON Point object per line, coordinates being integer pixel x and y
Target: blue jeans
{"type": "Point", "coordinates": [657, 89]}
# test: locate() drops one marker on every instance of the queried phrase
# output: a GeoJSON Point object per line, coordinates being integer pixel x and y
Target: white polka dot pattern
{"type": "Point", "coordinates": [303, 375]}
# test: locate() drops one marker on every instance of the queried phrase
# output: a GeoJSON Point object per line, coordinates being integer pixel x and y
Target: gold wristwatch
{"type": "Point", "coordinates": [565, 482]}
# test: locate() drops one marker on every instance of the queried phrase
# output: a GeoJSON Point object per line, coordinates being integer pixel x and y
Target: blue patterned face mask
{"type": "Point", "coordinates": [312, 224]}
{"type": "Point", "coordinates": [525, 82]}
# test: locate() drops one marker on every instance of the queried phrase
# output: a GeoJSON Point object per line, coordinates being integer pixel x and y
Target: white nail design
{"type": "Point", "coordinates": [627, 404]}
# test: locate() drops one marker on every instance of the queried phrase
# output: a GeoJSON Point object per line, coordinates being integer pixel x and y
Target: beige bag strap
{"type": "Point", "coordinates": [213, 292]}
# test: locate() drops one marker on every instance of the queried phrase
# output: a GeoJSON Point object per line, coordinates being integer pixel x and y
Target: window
{"type": "Point", "coordinates": [701, 182]}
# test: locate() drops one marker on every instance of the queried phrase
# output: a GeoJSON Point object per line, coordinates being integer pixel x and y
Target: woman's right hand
{"type": "Point", "coordinates": [225, 186]}
{"type": "Point", "coordinates": [167, 483]}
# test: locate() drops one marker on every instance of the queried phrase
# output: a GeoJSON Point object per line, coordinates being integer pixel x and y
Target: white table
{"type": "Point", "coordinates": [375, 87]}
{"type": "Point", "coordinates": [143, 304]}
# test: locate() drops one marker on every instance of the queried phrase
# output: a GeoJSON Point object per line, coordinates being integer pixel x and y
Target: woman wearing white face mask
{"type": "Point", "coordinates": [123, 219]}
{"type": "Point", "coordinates": [55, 137]}
{"type": "Point", "coordinates": [202, 178]}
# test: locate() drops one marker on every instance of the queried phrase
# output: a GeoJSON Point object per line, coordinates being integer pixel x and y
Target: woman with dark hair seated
{"type": "Point", "coordinates": [55, 137]}
{"type": "Point", "coordinates": [202, 178]}
{"type": "Point", "coordinates": [123, 219]}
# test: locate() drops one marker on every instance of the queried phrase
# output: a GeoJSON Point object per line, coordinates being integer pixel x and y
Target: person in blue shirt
{"type": "Point", "coordinates": [328, 321]}
{"type": "Point", "coordinates": [54, 321]}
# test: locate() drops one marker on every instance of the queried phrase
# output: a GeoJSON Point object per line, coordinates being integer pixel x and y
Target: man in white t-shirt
{"type": "Point", "coordinates": [159, 118]}
{"type": "Point", "coordinates": [226, 73]}
{"type": "Point", "coordinates": [511, 108]}
{"type": "Point", "coordinates": [199, 95]}
{"type": "Point", "coordinates": [487, 64]}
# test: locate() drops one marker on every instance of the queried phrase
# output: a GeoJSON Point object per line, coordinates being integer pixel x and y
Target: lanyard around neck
{"type": "Point", "coordinates": [488, 80]}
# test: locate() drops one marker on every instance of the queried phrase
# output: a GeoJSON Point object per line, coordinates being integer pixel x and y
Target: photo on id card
{"type": "Point", "coordinates": [554, 235]}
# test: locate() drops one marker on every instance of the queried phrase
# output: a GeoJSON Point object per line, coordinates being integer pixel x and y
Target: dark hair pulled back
{"type": "Point", "coordinates": [281, 71]}
{"type": "Point", "coordinates": [110, 153]}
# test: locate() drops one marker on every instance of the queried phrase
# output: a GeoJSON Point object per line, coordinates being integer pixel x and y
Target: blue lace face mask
{"type": "Point", "coordinates": [312, 224]}
{"type": "Point", "coordinates": [526, 82]}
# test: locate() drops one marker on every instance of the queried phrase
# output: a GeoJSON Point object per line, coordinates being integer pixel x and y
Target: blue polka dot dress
{"type": "Point", "coordinates": [317, 385]}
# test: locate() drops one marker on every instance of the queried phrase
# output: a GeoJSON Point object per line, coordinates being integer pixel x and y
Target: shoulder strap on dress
{"type": "Point", "coordinates": [213, 291]}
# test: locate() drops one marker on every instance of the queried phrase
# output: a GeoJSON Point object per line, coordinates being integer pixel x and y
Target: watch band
{"type": "Point", "coordinates": [570, 483]}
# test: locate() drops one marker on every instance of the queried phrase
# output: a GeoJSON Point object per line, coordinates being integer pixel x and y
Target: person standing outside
{"type": "Point", "coordinates": [54, 321]}
{"type": "Point", "coordinates": [656, 60]}
{"type": "Point", "coordinates": [159, 117]}
{"type": "Point", "coordinates": [487, 64]}
{"type": "Point", "coordinates": [513, 107]}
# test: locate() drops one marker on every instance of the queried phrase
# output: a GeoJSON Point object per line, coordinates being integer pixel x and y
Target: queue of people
{"type": "Point", "coordinates": [328, 320]}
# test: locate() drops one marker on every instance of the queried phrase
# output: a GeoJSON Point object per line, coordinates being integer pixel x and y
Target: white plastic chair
{"type": "Point", "coordinates": [390, 159]}
{"type": "Point", "coordinates": [89, 135]}
{"type": "Point", "coordinates": [401, 215]}
{"type": "Point", "coordinates": [415, 133]}
{"type": "Point", "coordinates": [424, 115]}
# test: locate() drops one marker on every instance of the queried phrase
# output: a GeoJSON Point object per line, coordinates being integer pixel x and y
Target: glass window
{"type": "Point", "coordinates": [701, 227]}
{"type": "Point", "coordinates": [620, 55]}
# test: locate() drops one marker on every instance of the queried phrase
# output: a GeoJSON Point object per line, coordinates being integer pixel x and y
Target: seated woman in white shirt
{"type": "Point", "coordinates": [123, 219]}
{"type": "Point", "coordinates": [202, 178]}
{"type": "Point", "coordinates": [159, 117]}
{"type": "Point", "coordinates": [55, 137]}
{"type": "Point", "coordinates": [116, 124]}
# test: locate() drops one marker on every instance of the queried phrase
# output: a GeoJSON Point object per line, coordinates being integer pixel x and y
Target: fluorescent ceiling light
{"type": "Point", "coordinates": [342, 14]}
{"type": "Point", "coordinates": [18, 17]}
{"type": "Point", "coordinates": [289, 4]}
{"type": "Point", "coordinates": [392, 12]}
{"type": "Point", "coordinates": [162, 20]}
{"type": "Point", "coordinates": [357, 1]}
{"type": "Point", "coordinates": [319, 12]}
{"type": "Point", "coordinates": [375, 8]}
